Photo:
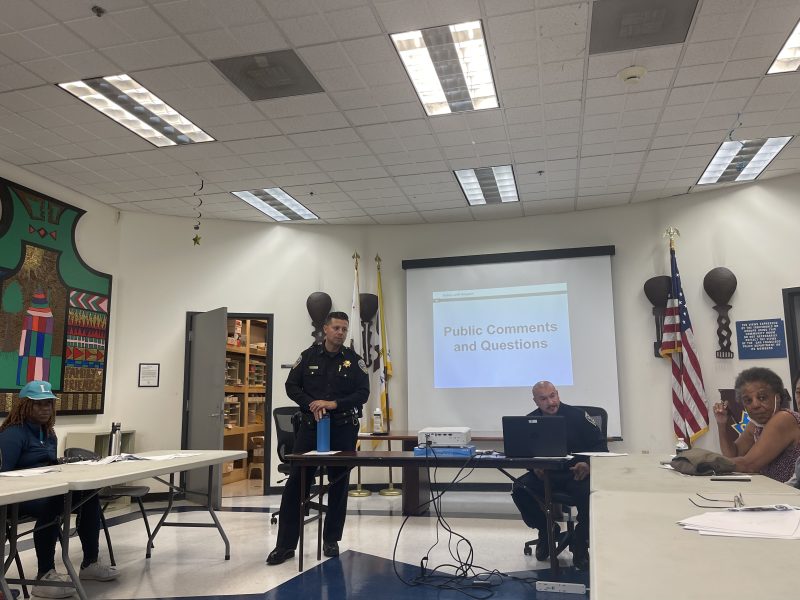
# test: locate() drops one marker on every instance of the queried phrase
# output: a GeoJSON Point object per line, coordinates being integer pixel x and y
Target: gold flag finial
{"type": "Point", "coordinates": [378, 260]}
{"type": "Point", "coordinates": [672, 233]}
{"type": "Point", "coordinates": [355, 257]}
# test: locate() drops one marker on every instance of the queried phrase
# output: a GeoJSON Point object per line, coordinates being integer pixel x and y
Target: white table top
{"type": "Point", "coordinates": [89, 477]}
{"type": "Point", "coordinates": [639, 551]}
{"type": "Point", "coordinates": [21, 489]}
{"type": "Point", "coordinates": [643, 473]}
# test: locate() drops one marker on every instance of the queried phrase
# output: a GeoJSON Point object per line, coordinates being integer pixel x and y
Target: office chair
{"type": "Point", "coordinates": [287, 423]}
{"type": "Point", "coordinates": [562, 504]}
{"type": "Point", "coordinates": [12, 538]}
{"type": "Point", "coordinates": [108, 494]}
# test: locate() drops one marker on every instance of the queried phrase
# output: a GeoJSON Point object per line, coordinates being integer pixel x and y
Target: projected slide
{"type": "Point", "coordinates": [501, 337]}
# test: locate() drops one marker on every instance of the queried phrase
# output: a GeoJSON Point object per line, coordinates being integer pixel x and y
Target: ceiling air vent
{"type": "Point", "coordinates": [630, 24]}
{"type": "Point", "coordinates": [271, 75]}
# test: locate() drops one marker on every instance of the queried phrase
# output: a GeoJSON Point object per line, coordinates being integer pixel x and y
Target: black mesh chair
{"type": "Point", "coordinates": [108, 494]}
{"type": "Point", "coordinates": [287, 423]}
{"type": "Point", "coordinates": [562, 505]}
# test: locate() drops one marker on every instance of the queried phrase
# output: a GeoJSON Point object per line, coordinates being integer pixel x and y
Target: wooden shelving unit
{"type": "Point", "coordinates": [245, 405]}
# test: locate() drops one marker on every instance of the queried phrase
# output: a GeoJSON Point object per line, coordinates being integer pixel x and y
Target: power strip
{"type": "Point", "coordinates": [561, 587]}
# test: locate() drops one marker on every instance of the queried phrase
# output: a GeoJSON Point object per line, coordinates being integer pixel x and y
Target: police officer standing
{"type": "Point", "coordinates": [327, 379]}
{"type": "Point", "coordinates": [583, 435]}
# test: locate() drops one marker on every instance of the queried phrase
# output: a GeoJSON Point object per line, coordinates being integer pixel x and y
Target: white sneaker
{"type": "Point", "coordinates": [47, 591]}
{"type": "Point", "coordinates": [98, 571]}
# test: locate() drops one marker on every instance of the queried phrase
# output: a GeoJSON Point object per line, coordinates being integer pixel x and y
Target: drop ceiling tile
{"type": "Point", "coordinates": [141, 23]}
{"type": "Point", "coordinates": [606, 121]}
{"type": "Point", "coordinates": [772, 20]}
{"type": "Point", "coordinates": [562, 71]}
{"type": "Point", "coordinates": [690, 94]}
{"type": "Point", "coordinates": [335, 80]}
{"type": "Point", "coordinates": [17, 47]}
{"type": "Point", "coordinates": [718, 26]}
{"type": "Point", "coordinates": [642, 100]}
{"type": "Point", "coordinates": [706, 73]}
{"type": "Point", "coordinates": [517, 77]}
{"type": "Point", "coordinates": [608, 65]}
{"type": "Point", "coordinates": [517, 54]}
{"type": "Point", "coordinates": [743, 69]}
{"type": "Point", "coordinates": [517, 27]}
{"type": "Point", "coordinates": [563, 92]}
{"type": "Point", "coordinates": [703, 53]}
{"type": "Point", "coordinates": [756, 46]}
{"type": "Point", "coordinates": [324, 56]}
{"type": "Point", "coordinates": [767, 102]}
{"type": "Point", "coordinates": [519, 97]}
{"type": "Point", "coordinates": [353, 22]}
{"type": "Point", "coordinates": [731, 106]}
{"type": "Point", "coordinates": [669, 141]}
{"type": "Point", "coordinates": [369, 50]}
{"type": "Point", "coordinates": [307, 30]}
{"type": "Point", "coordinates": [640, 117]}
{"type": "Point", "coordinates": [658, 58]}
{"type": "Point", "coordinates": [22, 14]}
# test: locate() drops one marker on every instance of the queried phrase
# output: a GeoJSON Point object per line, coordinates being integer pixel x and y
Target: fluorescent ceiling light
{"type": "Point", "coordinates": [488, 185]}
{"type": "Point", "coordinates": [742, 160]}
{"type": "Point", "coordinates": [277, 204]}
{"type": "Point", "coordinates": [133, 106]}
{"type": "Point", "coordinates": [789, 57]}
{"type": "Point", "coordinates": [449, 67]}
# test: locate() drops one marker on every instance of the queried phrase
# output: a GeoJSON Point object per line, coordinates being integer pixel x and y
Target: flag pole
{"type": "Point", "coordinates": [391, 490]}
{"type": "Point", "coordinates": [672, 233]}
{"type": "Point", "coordinates": [358, 491]}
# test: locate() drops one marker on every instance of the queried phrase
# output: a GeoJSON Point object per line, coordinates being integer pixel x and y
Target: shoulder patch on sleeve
{"type": "Point", "coordinates": [590, 419]}
{"type": "Point", "coordinates": [362, 365]}
{"type": "Point", "coordinates": [297, 362]}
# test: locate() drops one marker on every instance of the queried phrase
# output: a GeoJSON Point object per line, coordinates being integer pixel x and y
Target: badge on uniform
{"type": "Point", "coordinates": [346, 364]}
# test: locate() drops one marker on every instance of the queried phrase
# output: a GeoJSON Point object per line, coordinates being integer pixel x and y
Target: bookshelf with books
{"type": "Point", "coordinates": [247, 381]}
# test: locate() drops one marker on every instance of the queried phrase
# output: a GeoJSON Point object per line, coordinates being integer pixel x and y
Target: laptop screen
{"type": "Point", "coordinates": [532, 436]}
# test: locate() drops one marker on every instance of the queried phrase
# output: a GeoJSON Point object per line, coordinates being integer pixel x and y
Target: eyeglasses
{"type": "Point", "coordinates": [738, 501]}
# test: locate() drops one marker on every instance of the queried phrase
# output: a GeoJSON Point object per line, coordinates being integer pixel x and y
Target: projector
{"type": "Point", "coordinates": [444, 436]}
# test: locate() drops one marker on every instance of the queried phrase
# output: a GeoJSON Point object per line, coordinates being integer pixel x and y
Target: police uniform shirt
{"type": "Point", "coordinates": [583, 434]}
{"type": "Point", "coordinates": [26, 446]}
{"type": "Point", "coordinates": [320, 375]}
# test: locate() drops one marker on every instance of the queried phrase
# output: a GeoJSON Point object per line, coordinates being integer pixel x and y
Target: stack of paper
{"type": "Point", "coordinates": [777, 521]}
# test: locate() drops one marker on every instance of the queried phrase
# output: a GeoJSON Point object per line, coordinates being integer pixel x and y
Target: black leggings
{"type": "Point", "coordinates": [46, 510]}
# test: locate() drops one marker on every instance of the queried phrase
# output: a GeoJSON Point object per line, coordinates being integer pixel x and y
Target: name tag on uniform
{"type": "Point", "coordinates": [313, 367]}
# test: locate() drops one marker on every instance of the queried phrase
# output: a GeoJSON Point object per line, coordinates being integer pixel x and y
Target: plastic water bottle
{"type": "Point", "coordinates": [681, 445]}
{"type": "Point", "coordinates": [377, 421]}
{"type": "Point", "coordinates": [324, 434]}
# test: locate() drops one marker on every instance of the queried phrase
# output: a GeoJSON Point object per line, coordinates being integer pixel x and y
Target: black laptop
{"type": "Point", "coordinates": [527, 437]}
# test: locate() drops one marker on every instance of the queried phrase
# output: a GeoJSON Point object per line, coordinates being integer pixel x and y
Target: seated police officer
{"type": "Point", "coordinates": [583, 435]}
{"type": "Point", "coordinates": [327, 378]}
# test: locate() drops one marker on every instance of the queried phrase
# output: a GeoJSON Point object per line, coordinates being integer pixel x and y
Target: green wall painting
{"type": "Point", "coordinates": [54, 308]}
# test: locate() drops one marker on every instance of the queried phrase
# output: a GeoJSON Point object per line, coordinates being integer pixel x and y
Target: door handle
{"type": "Point", "coordinates": [214, 415]}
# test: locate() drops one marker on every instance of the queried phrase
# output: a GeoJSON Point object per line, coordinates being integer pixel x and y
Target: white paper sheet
{"type": "Point", "coordinates": [593, 454]}
{"type": "Point", "coordinates": [317, 453]}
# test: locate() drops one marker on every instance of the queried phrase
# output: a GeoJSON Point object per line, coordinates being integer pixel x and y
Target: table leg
{"type": "Point", "coordinates": [319, 513]}
{"type": "Point", "coordinates": [170, 500]}
{"type": "Point", "coordinates": [210, 507]}
{"type": "Point", "coordinates": [302, 516]}
{"type": "Point", "coordinates": [65, 522]}
{"type": "Point", "coordinates": [551, 540]}
{"type": "Point", "coordinates": [416, 487]}
{"type": "Point", "coordinates": [3, 585]}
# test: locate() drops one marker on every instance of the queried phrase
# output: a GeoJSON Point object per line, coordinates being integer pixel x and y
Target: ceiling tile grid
{"type": "Point", "coordinates": [363, 150]}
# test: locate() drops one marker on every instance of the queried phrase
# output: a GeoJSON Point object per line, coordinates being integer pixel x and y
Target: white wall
{"type": "Point", "coordinates": [159, 275]}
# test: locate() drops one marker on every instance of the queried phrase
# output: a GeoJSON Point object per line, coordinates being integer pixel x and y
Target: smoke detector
{"type": "Point", "coordinates": [632, 74]}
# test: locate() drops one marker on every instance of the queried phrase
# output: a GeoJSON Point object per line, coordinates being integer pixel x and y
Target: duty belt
{"type": "Point", "coordinates": [349, 417]}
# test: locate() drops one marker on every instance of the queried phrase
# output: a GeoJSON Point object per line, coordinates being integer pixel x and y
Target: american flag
{"type": "Point", "coordinates": [689, 403]}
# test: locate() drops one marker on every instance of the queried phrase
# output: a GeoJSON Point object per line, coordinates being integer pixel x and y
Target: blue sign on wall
{"type": "Point", "coordinates": [763, 338]}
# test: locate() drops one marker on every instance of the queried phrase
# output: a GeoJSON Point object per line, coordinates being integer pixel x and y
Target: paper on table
{"type": "Point", "coordinates": [781, 524]}
{"type": "Point", "coordinates": [317, 453]}
{"type": "Point", "coordinates": [123, 457]}
{"type": "Point", "coordinates": [602, 453]}
{"type": "Point", "coordinates": [31, 472]}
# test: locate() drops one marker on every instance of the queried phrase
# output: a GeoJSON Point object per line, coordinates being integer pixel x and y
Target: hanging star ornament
{"type": "Point", "coordinates": [196, 239]}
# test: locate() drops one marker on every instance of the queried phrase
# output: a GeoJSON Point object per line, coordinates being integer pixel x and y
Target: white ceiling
{"type": "Point", "coordinates": [364, 152]}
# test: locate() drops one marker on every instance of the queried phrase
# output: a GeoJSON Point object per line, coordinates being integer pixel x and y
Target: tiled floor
{"type": "Point", "coordinates": [189, 562]}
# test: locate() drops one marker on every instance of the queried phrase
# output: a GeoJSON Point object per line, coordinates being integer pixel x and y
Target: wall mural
{"type": "Point", "coordinates": [54, 308]}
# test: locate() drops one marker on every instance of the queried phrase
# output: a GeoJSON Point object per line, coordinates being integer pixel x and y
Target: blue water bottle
{"type": "Point", "coordinates": [324, 433]}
